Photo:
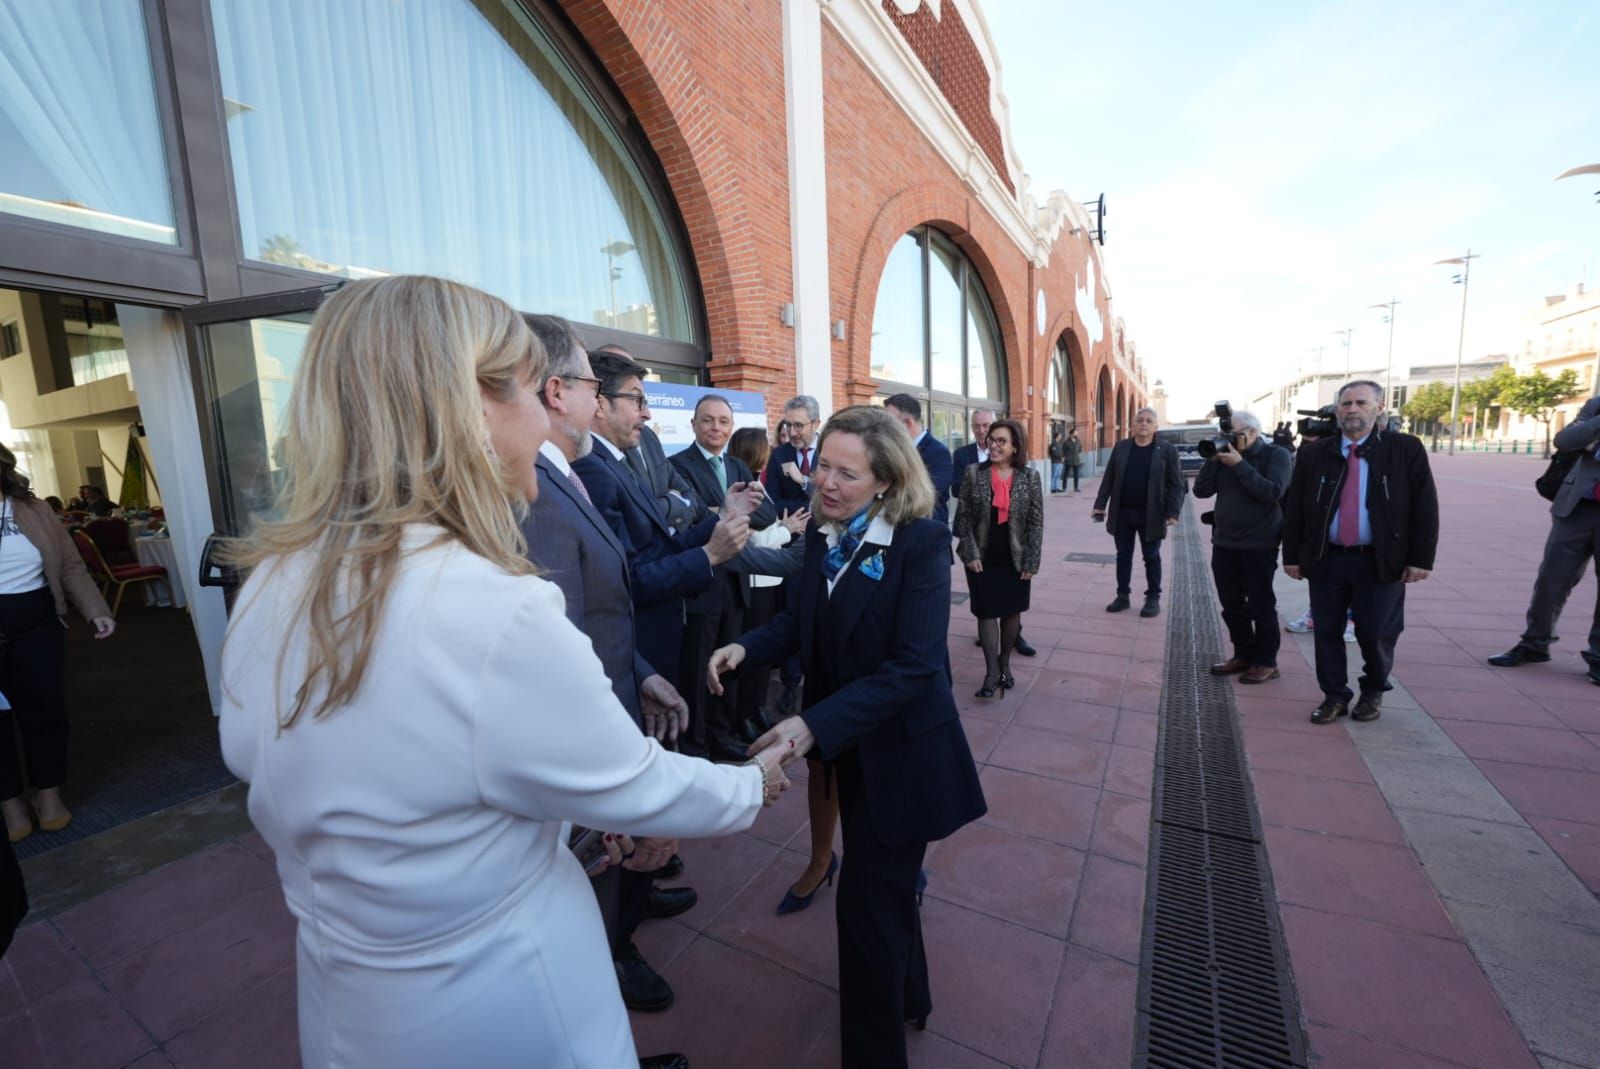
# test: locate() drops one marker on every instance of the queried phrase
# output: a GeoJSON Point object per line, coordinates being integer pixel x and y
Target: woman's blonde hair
{"type": "Point", "coordinates": [386, 428]}
{"type": "Point", "coordinates": [894, 460]}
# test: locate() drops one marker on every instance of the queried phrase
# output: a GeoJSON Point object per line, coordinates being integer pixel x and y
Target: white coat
{"type": "Point", "coordinates": [420, 831]}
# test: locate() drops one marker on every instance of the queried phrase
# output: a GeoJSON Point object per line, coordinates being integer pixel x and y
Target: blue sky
{"type": "Point", "coordinates": [1271, 170]}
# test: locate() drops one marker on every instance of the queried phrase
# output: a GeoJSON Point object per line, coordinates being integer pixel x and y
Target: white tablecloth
{"type": "Point", "coordinates": [159, 551]}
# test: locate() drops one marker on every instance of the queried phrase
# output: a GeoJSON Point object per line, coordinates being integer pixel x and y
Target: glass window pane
{"type": "Point", "coordinates": [944, 317]}
{"type": "Point", "coordinates": [79, 130]}
{"type": "Point", "coordinates": [373, 137]}
{"type": "Point", "coordinates": [897, 341]}
{"type": "Point", "coordinates": [252, 365]}
{"type": "Point", "coordinates": [983, 344]}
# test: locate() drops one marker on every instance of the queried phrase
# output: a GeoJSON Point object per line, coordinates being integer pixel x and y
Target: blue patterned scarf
{"type": "Point", "coordinates": [848, 543]}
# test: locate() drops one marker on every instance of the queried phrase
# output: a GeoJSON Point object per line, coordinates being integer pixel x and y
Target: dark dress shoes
{"type": "Point", "coordinates": [1368, 707]}
{"type": "Point", "coordinates": [1119, 604]}
{"type": "Point", "coordinates": [1152, 606]}
{"type": "Point", "coordinates": [1330, 710]}
{"type": "Point", "coordinates": [643, 989]}
{"type": "Point", "coordinates": [1232, 666]}
{"type": "Point", "coordinates": [664, 1061]}
{"type": "Point", "coordinates": [1518, 654]}
{"type": "Point", "coordinates": [672, 869]}
{"type": "Point", "coordinates": [1259, 673]}
{"type": "Point", "coordinates": [670, 901]}
{"type": "Point", "coordinates": [1024, 647]}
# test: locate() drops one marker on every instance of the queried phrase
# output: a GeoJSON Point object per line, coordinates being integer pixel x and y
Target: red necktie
{"type": "Point", "coordinates": [577, 484]}
{"type": "Point", "coordinates": [805, 462]}
{"type": "Point", "coordinates": [1350, 502]}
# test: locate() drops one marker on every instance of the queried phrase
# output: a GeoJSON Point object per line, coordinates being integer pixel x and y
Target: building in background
{"type": "Point", "coordinates": [781, 198]}
{"type": "Point", "coordinates": [1562, 333]}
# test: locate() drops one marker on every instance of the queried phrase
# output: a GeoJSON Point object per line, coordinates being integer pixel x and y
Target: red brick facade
{"type": "Point", "coordinates": [705, 79]}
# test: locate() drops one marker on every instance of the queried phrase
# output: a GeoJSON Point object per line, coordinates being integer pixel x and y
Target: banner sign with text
{"type": "Point", "coordinates": [672, 411]}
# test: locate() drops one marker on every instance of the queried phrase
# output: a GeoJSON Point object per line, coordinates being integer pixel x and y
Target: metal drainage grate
{"type": "Point", "coordinates": [1214, 982]}
{"type": "Point", "coordinates": [1090, 558]}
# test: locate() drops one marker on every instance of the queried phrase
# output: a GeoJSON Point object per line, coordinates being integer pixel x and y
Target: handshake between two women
{"type": "Point", "coordinates": [787, 741]}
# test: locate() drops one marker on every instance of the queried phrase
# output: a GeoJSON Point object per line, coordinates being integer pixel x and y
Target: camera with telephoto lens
{"type": "Point", "coordinates": [1226, 437]}
{"type": "Point", "coordinates": [1320, 423]}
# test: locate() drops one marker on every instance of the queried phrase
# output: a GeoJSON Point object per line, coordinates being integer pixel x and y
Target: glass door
{"type": "Point", "coordinates": [246, 354]}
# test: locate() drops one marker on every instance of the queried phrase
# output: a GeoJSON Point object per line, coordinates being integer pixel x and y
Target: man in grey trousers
{"type": "Point", "coordinates": [1574, 541]}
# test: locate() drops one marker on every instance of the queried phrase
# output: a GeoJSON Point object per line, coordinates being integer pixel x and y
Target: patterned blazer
{"type": "Point", "coordinates": [1026, 523]}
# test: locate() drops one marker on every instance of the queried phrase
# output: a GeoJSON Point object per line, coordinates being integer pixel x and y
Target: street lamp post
{"type": "Point", "coordinates": [1347, 331]}
{"type": "Point", "coordinates": [613, 250]}
{"type": "Point", "coordinates": [1388, 367]}
{"type": "Point", "coordinates": [1571, 172]}
{"type": "Point", "coordinates": [1464, 279]}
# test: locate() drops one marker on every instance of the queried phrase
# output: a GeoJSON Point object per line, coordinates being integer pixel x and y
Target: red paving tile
{"type": "Point", "coordinates": [1129, 771]}
{"type": "Point", "coordinates": [1492, 708]}
{"type": "Point", "coordinates": [1544, 792]}
{"type": "Point", "coordinates": [79, 1025]}
{"type": "Point", "coordinates": [41, 962]}
{"type": "Point", "coordinates": [1400, 988]}
{"type": "Point", "coordinates": [1329, 754]}
{"type": "Point", "coordinates": [1110, 913]}
{"type": "Point", "coordinates": [1550, 748]}
{"type": "Point", "coordinates": [1355, 877]}
{"type": "Point", "coordinates": [1138, 730]}
{"type": "Point", "coordinates": [1039, 807]}
{"type": "Point", "coordinates": [1315, 803]}
{"type": "Point", "coordinates": [1025, 881]}
{"type": "Point", "coordinates": [1097, 722]}
{"type": "Point", "coordinates": [1576, 844]}
{"type": "Point", "coordinates": [803, 942]}
{"type": "Point", "coordinates": [1048, 753]}
{"type": "Point", "coordinates": [1092, 1022]}
{"type": "Point", "coordinates": [257, 1029]}
{"type": "Point", "coordinates": [1122, 828]}
{"type": "Point", "coordinates": [1336, 1048]}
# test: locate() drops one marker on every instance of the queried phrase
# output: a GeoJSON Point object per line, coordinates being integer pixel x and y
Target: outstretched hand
{"type": "Point", "coordinates": [723, 660]}
{"type": "Point", "coordinates": [789, 739]}
{"type": "Point", "coordinates": [666, 714]}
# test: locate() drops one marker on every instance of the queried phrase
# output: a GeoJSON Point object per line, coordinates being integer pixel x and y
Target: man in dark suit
{"type": "Point", "coordinates": [1140, 497]}
{"type": "Point", "coordinates": [664, 482]}
{"type": "Point", "coordinates": [716, 616]}
{"type": "Point", "coordinates": [568, 539]}
{"type": "Point", "coordinates": [1360, 523]}
{"type": "Point", "coordinates": [788, 482]}
{"type": "Point", "coordinates": [665, 564]}
{"type": "Point", "coordinates": [935, 455]}
{"type": "Point", "coordinates": [966, 456]}
{"type": "Point", "coordinates": [1574, 541]}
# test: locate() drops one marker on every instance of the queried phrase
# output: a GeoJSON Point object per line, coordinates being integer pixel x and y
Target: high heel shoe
{"type": "Point", "coordinates": [793, 903]}
{"type": "Point", "coordinates": [991, 684]}
{"type": "Point", "coordinates": [1007, 680]}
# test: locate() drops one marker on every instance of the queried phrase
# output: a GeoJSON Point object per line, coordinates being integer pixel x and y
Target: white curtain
{"type": "Point", "coordinates": [432, 136]}
{"type": "Point", "coordinates": [80, 109]}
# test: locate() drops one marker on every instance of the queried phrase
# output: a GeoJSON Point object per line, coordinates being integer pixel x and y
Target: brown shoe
{"type": "Point", "coordinates": [1367, 708]}
{"type": "Point", "coordinates": [1259, 673]}
{"type": "Point", "coordinates": [1231, 667]}
{"type": "Point", "coordinates": [1330, 710]}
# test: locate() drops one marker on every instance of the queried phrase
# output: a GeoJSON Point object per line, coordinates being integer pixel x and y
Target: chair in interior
{"type": "Point", "coordinates": [114, 539]}
{"type": "Point", "coordinates": [112, 575]}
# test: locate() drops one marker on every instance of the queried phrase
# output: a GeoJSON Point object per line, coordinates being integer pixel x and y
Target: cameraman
{"type": "Point", "coordinates": [1248, 481]}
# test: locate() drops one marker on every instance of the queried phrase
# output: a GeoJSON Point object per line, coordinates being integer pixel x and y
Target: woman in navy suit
{"type": "Point", "coordinates": [871, 622]}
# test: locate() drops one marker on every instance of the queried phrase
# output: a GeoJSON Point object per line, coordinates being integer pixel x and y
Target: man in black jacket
{"type": "Point", "coordinates": [1361, 521]}
{"type": "Point", "coordinates": [1140, 496]}
{"type": "Point", "coordinates": [1248, 481]}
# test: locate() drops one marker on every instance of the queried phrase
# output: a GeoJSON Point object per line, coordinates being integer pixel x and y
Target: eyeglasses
{"type": "Point", "coordinates": [583, 378]}
{"type": "Point", "coordinates": [637, 397]}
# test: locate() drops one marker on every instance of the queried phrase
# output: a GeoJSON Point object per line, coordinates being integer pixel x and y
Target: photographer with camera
{"type": "Point", "coordinates": [1248, 476]}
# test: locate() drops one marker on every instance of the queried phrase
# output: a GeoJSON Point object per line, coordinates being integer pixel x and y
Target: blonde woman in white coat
{"type": "Point", "coordinates": [417, 720]}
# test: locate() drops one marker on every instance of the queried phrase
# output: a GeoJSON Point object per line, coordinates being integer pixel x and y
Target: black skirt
{"type": "Point", "coordinates": [998, 590]}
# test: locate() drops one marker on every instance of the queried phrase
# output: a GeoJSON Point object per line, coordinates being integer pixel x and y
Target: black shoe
{"type": "Point", "coordinates": [991, 684]}
{"type": "Point", "coordinates": [1330, 710]}
{"type": "Point", "coordinates": [671, 870]}
{"type": "Point", "coordinates": [1023, 647]}
{"type": "Point", "coordinates": [669, 902]}
{"type": "Point", "coordinates": [977, 641]}
{"type": "Point", "coordinates": [664, 1061]}
{"type": "Point", "coordinates": [1152, 606]}
{"type": "Point", "coordinates": [1119, 604]}
{"type": "Point", "coordinates": [1368, 707]}
{"type": "Point", "coordinates": [643, 989]}
{"type": "Point", "coordinates": [1518, 654]}
{"type": "Point", "coordinates": [1594, 674]}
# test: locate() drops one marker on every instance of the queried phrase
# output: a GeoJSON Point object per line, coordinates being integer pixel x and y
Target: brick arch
{"type": "Point", "coordinates": [1077, 346]}
{"type": "Point", "coordinates": [931, 204]}
{"type": "Point", "coordinates": [1104, 414]}
{"type": "Point", "coordinates": [656, 74]}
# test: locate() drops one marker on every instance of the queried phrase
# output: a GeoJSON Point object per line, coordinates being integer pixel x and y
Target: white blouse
{"type": "Point", "coordinates": [21, 566]}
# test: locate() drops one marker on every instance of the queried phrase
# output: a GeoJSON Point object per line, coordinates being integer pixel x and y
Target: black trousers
{"type": "Point", "coordinates": [712, 719]}
{"type": "Point", "coordinates": [1249, 607]}
{"type": "Point", "coordinates": [1572, 543]}
{"type": "Point", "coordinates": [1348, 583]}
{"type": "Point", "coordinates": [883, 968]}
{"type": "Point", "coordinates": [33, 679]}
{"type": "Point", "coordinates": [1130, 525]}
{"type": "Point", "coordinates": [754, 679]}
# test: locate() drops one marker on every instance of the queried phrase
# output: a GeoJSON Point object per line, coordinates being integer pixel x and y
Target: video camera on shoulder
{"type": "Point", "coordinates": [1227, 438]}
{"type": "Point", "coordinates": [1320, 423]}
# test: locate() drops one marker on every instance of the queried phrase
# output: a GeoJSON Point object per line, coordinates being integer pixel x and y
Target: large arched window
{"type": "Point", "coordinates": [1063, 389]}
{"type": "Point", "coordinates": [935, 334]}
{"type": "Point", "coordinates": [452, 137]}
